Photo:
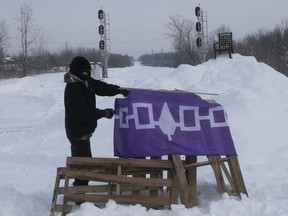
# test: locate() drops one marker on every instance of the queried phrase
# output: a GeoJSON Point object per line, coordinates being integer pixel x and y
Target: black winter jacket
{"type": "Point", "coordinates": [81, 114]}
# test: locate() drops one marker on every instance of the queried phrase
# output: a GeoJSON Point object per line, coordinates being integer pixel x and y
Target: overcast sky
{"type": "Point", "coordinates": [138, 26]}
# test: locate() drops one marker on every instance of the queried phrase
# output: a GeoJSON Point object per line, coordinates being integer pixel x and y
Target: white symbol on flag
{"type": "Point", "coordinates": [166, 122]}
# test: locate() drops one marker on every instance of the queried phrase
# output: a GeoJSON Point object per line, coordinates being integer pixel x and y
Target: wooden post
{"type": "Point", "coordinates": [65, 202]}
{"type": "Point", "coordinates": [218, 174]}
{"type": "Point", "coordinates": [119, 170]}
{"type": "Point", "coordinates": [237, 176]}
{"type": "Point", "coordinates": [191, 174]}
{"type": "Point", "coordinates": [60, 175]}
{"type": "Point", "coordinates": [154, 193]}
{"type": "Point", "coordinates": [173, 191]}
{"type": "Point", "coordinates": [138, 192]}
{"type": "Point", "coordinates": [186, 194]}
{"type": "Point", "coordinates": [228, 176]}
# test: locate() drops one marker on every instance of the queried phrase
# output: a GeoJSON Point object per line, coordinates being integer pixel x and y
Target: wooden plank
{"type": "Point", "coordinates": [61, 172]}
{"type": "Point", "coordinates": [107, 188]}
{"type": "Point", "coordinates": [228, 176]}
{"type": "Point", "coordinates": [88, 189]}
{"type": "Point", "coordinates": [204, 163]}
{"type": "Point", "coordinates": [192, 176]}
{"type": "Point", "coordinates": [186, 195]}
{"type": "Point", "coordinates": [198, 164]}
{"type": "Point", "coordinates": [159, 174]}
{"type": "Point", "coordinates": [59, 208]}
{"type": "Point", "coordinates": [142, 163]}
{"type": "Point", "coordinates": [124, 170]}
{"type": "Point", "coordinates": [152, 202]}
{"type": "Point", "coordinates": [237, 176]}
{"type": "Point", "coordinates": [139, 174]}
{"type": "Point", "coordinates": [218, 174]}
{"type": "Point", "coordinates": [136, 181]}
{"type": "Point", "coordinates": [65, 209]}
{"type": "Point", "coordinates": [173, 191]}
{"type": "Point", "coordinates": [118, 185]}
{"type": "Point", "coordinates": [59, 175]}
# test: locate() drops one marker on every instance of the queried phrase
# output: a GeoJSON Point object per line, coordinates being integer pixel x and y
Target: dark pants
{"type": "Point", "coordinates": [80, 148]}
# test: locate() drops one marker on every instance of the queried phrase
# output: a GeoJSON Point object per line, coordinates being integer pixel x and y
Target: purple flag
{"type": "Point", "coordinates": [156, 123]}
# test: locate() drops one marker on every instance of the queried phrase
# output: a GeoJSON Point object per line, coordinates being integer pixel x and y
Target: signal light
{"type": "Point", "coordinates": [199, 41]}
{"type": "Point", "coordinates": [197, 11]}
{"type": "Point", "coordinates": [198, 27]}
{"type": "Point", "coordinates": [101, 14]}
{"type": "Point", "coordinates": [101, 29]}
{"type": "Point", "coordinates": [101, 45]}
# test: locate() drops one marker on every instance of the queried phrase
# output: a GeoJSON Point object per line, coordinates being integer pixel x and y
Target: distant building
{"type": "Point", "coordinates": [10, 63]}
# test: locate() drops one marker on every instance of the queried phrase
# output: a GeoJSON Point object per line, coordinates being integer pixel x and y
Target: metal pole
{"type": "Point", "coordinates": [105, 36]}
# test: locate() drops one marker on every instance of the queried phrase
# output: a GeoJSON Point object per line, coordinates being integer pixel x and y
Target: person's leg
{"type": "Point", "coordinates": [80, 148]}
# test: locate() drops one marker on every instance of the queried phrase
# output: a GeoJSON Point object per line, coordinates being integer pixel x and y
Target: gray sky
{"type": "Point", "coordinates": [138, 26]}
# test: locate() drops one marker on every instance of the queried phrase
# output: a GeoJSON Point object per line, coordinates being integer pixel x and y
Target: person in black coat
{"type": "Point", "coordinates": [81, 114]}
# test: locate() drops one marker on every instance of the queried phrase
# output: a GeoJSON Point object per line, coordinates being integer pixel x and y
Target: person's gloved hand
{"type": "Point", "coordinates": [109, 113]}
{"type": "Point", "coordinates": [124, 92]}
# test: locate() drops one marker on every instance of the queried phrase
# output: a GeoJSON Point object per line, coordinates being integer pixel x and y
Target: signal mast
{"type": "Point", "coordinates": [104, 43]}
{"type": "Point", "coordinates": [202, 29]}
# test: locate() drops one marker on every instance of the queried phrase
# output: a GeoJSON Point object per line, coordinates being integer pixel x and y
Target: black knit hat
{"type": "Point", "coordinates": [78, 64]}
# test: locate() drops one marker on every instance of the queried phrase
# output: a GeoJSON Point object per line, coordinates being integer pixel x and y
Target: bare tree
{"type": "Point", "coordinates": [285, 45]}
{"type": "Point", "coordinates": [183, 36]}
{"type": "Point", "coordinates": [213, 36]}
{"type": "Point", "coordinates": [27, 33]}
{"type": "Point", "coordinates": [66, 54]}
{"type": "Point", "coordinates": [268, 46]}
{"type": "Point", "coordinates": [4, 37]}
{"type": "Point", "coordinates": [40, 50]}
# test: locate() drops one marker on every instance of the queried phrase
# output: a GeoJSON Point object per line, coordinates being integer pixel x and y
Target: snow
{"type": "Point", "coordinates": [255, 96]}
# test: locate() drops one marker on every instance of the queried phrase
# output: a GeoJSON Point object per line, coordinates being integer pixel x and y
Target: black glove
{"type": "Point", "coordinates": [109, 113]}
{"type": "Point", "coordinates": [124, 92]}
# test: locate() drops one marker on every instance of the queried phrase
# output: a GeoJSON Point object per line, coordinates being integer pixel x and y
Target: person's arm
{"type": "Point", "coordinates": [78, 106]}
{"type": "Point", "coordinates": [104, 89]}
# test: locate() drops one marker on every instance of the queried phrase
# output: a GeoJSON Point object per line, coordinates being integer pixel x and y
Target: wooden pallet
{"type": "Point", "coordinates": [58, 191]}
{"type": "Point", "coordinates": [154, 183]}
{"type": "Point", "coordinates": [127, 181]}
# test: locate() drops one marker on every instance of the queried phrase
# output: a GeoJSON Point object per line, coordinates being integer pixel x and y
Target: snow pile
{"type": "Point", "coordinates": [33, 142]}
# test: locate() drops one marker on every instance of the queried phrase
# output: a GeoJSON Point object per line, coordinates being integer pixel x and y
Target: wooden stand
{"type": "Point", "coordinates": [154, 183]}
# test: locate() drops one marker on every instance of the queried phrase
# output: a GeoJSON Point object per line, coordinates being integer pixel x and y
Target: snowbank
{"type": "Point", "coordinates": [33, 142]}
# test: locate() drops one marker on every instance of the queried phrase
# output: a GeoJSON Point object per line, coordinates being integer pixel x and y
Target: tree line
{"type": "Point", "coordinates": [34, 57]}
{"type": "Point", "coordinates": [268, 46]}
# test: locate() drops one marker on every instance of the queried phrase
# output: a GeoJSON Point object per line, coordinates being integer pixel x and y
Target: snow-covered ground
{"type": "Point", "coordinates": [33, 142]}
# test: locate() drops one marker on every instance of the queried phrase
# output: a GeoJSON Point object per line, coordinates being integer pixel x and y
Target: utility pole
{"type": "Point", "coordinates": [202, 29]}
{"type": "Point", "coordinates": [104, 43]}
